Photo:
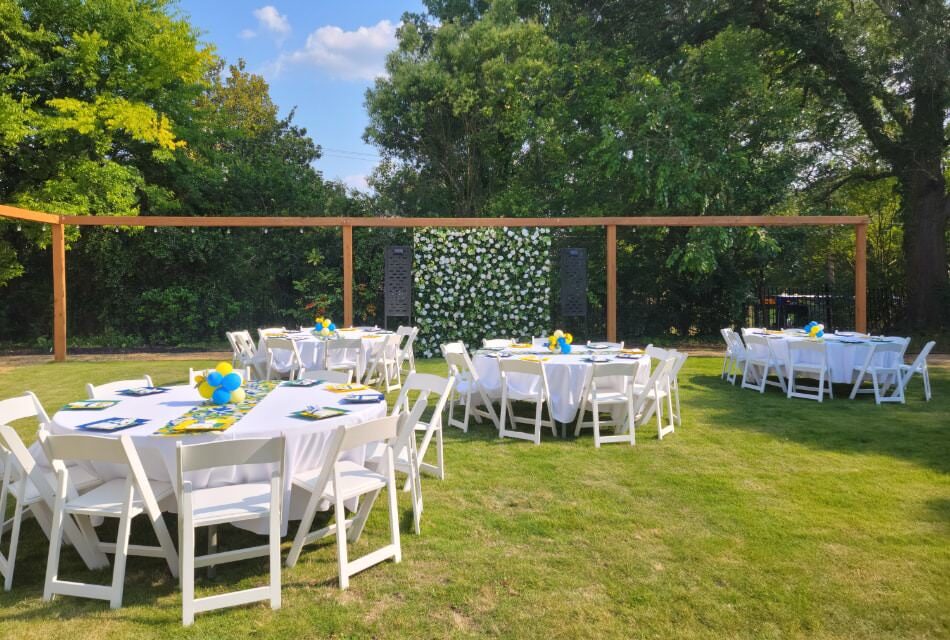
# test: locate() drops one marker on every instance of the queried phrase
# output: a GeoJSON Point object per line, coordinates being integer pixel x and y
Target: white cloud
{"type": "Point", "coordinates": [269, 19]}
{"type": "Point", "coordinates": [357, 182]}
{"type": "Point", "coordinates": [349, 55]}
{"type": "Point", "coordinates": [247, 34]}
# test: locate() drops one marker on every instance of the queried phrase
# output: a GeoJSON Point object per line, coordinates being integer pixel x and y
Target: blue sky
{"type": "Point", "coordinates": [319, 56]}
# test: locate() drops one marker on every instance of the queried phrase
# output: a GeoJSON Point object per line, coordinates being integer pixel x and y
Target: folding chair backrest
{"type": "Point", "coordinates": [726, 334]}
{"type": "Point", "coordinates": [335, 377]}
{"type": "Point", "coordinates": [528, 367]}
{"type": "Point", "coordinates": [230, 453]}
{"type": "Point", "coordinates": [757, 345]}
{"type": "Point", "coordinates": [750, 330]}
{"type": "Point", "coordinates": [807, 346]}
{"type": "Point", "coordinates": [338, 344]}
{"type": "Point", "coordinates": [110, 388]}
{"type": "Point", "coordinates": [425, 384]}
{"type": "Point", "coordinates": [270, 331]}
{"type": "Point", "coordinates": [84, 447]}
{"type": "Point", "coordinates": [679, 359]}
{"type": "Point", "coordinates": [657, 352]}
{"type": "Point", "coordinates": [738, 346]}
{"type": "Point", "coordinates": [12, 446]}
{"type": "Point", "coordinates": [615, 370]}
{"type": "Point", "coordinates": [407, 421]}
{"type": "Point", "coordinates": [280, 344]}
{"type": "Point", "coordinates": [660, 371]}
{"type": "Point", "coordinates": [25, 406]}
{"type": "Point", "coordinates": [244, 342]}
{"type": "Point", "coordinates": [497, 343]}
{"type": "Point", "coordinates": [378, 430]}
{"type": "Point", "coordinates": [921, 358]}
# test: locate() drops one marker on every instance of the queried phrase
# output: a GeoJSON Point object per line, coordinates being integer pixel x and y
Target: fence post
{"type": "Point", "coordinates": [347, 275]}
{"type": "Point", "coordinates": [59, 292]}
{"type": "Point", "coordinates": [861, 277]}
{"type": "Point", "coordinates": [612, 282]}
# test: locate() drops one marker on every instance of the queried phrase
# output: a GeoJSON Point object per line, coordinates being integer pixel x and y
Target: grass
{"type": "Point", "coordinates": [760, 518]}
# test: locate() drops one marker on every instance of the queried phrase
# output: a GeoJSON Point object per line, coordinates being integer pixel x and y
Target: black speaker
{"type": "Point", "coordinates": [397, 284]}
{"type": "Point", "coordinates": [573, 282]}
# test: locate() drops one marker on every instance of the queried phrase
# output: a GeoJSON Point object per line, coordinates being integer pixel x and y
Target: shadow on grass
{"type": "Point", "coordinates": [918, 431]}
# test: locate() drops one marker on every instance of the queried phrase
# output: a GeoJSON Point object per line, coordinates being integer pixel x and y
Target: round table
{"type": "Point", "coordinates": [312, 348]}
{"type": "Point", "coordinates": [845, 352]}
{"type": "Point", "coordinates": [306, 441]}
{"type": "Point", "coordinates": [566, 374]}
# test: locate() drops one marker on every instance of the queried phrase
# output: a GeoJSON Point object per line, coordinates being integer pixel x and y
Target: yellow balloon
{"type": "Point", "coordinates": [558, 334]}
{"type": "Point", "coordinates": [568, 338]}
{"type": "Point", "coordinates": [238, 395]}
{"type": "Point", "coordinates": [324, 332]}
{"type": "Point", "coordinates": [224, 368]}
{"type": "Point", "coordinates": [205, 390]}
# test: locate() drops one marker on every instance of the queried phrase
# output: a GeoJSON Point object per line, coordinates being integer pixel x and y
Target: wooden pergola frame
{"type": "Point", "coordinates": [58, 224]}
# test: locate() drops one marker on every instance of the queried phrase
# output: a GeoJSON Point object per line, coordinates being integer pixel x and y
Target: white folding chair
{"type": "Point", "coordinates": [601, 390]}
{"type": "Point", "coordinates": [405, 455]}
{"type": "Point", "coordinates": [650, 397]}
{"type": "Point", "coordinates": [345, 354]}
{"type": "Point", "coordinates": [798, 352]}
{"type": "Point", "coordinates": [540, 397]}
{"type": "Point", "coordinates": [918, 366]}
{"type": "Point", "coordinates": [903, 373]}
{"type": "Point", "coordinates": [31, 488]}
{"type": "Point", "coordinates": [497, 343]}
{"type": "Point", "coordinates": [214, 506]}
{"type": "Point", "coordinates": [264, 332]}
{"type": "Point", "coordinates": [121, 498]}
{"type": "Point", "coordinates": [728, 357]}
{"type": "Point", "coordinates": [333, 377]}
{"type": "Point", "coordinates": [340, 480]}
{"type": "Point", "coordinates": [275, 346]}
{"type": "Point", "coordinates": [407, 357]}
{"type": "Point", "coordinates": [247, 354]}
{"type": "Point", "coordinates": [467, 387]}
{"type": "Point", "coordinates": [110, 388]}
{"type": "Point", "coordinates": [610, 345]}
{"type": "Point", "coordinates": [867, 368]}
{"type": "Point", "coordinates": [678, 362]}
{"type": "Point", "coordinates": [739, 357]}
{"type": "Point", "coordinates": [383, 367]}
{"type": "Point", "coordinates": [760, 360]}
{"type": "Point", "coordinates": [426, 384]}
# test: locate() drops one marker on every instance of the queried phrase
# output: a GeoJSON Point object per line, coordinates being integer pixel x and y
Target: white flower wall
{"type": "Point", "coordinates": [472, 284]}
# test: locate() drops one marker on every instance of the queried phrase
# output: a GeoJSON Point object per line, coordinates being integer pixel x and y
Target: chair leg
{"type": "Point", "coordinates": [677, 416]}
{"type": "Point", "coordinates": [439, 453]}
{"type": "Point", "coordinates": [343, 565]}
{"type": "Point", "coordinates": [186, 550]}
{"type": "Point", "coordinates": [393, 511]}
{"type": "Point", "coordinates": [580, 416]}
{"type": "Point", "coordinates": [926, 374]}
{"type": "Point", "coordinates": [595, 413]}
{"type": "Point", "coordinates": [55, 539]}
{"type": "Point", "coordinates": [537, 422]}
{"type": "Point", "coordinates": [468, 412]}
{"type": "Point", "coordinates": [14, 541]}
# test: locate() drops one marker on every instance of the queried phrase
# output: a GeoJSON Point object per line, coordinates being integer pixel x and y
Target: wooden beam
{"type": "Point", "coordinates": [347, 276]}
{"type": "Point", "coordinates": [612, 283]}
{"type": "Point", "coordinates": [861, 278]}
{"type": "Point", "coordinates": [311, 221]}
{"type": "Point", "coordinates": [59, 292]}
{"type": "Point", "coordinates": [27, 215]}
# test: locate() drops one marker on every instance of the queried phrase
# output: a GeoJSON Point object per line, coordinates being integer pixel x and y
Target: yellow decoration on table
{"type": "Point", "coordinates": [559, 341]}
{"type": "Point", "coordinates": [224, 368]}
{"type": "Point", "coordinates": [204, 389]}
{"type": "Point", "coordinates": [238, 396]}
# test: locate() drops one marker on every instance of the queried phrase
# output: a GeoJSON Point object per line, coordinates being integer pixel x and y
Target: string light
{"type": "Point", "coordinates": [265, 229]}
{"type": "Point", "coordinates": [19, 228]}
{"type": "Point", "coordinates": [229, 230]}
{"type": "Point", "coordinates": [192, 229]}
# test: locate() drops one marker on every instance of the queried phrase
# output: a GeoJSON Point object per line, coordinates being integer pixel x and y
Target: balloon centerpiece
{"type": "Point", "coordinates": [815, 330]}
{"type": "Point", "coordinates": [324, 326]}
{"type": "Point", "coordinates": [560, 342]}
{"type": "Point", "coordinates": [222, 385]}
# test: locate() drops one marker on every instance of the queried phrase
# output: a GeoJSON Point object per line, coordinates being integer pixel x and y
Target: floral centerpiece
{"type": "Point", "coordinates": [323, 326]}
{"type": "Point", "coordinates": [560, 342]}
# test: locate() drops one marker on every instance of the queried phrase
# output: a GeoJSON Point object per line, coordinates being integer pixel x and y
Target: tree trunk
{"type": "Point", "coordinates": [925, 209]}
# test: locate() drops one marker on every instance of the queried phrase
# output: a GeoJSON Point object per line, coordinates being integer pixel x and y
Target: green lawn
{"type": "Point", "coordinates": [760, 517]}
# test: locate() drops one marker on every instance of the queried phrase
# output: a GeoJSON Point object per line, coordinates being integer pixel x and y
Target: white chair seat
{"type": "Point", "coordinates": [607, 397]}
{"type": "Point", "coordinates": [650, 392]}
{"type": "Point", "coordinates": [231, 503]}
{"type": "Point", "coordinates": [32, 495]}
{"type": "Point", "coordinates": [81, 478]}
{"type": "Point", "coordinates": [355, 480]}
{"type": "Point", "coordinates": [107, 499]}
{"type": "Point", "coordinates": [514, 394]}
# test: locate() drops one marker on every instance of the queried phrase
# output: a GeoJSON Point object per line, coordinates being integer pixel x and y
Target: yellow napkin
{"type": "Point", "coordinates": [346, 388]}
{"type": "Point", "coordinates": [521, 345]}
{"type": "Point", "coordinates": [632, 351]}
{"type": "Point", "coordinates": [533, 359]}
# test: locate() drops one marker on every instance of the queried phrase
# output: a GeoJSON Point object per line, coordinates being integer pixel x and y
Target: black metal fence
{"type": "Point", "coordinates": [779, 307]}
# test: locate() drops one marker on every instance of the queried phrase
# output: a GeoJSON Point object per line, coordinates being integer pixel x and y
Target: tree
{"type": "Point", "coordinates": [90, 94]}
{"type": "Point", "coordinates": [881, 67]}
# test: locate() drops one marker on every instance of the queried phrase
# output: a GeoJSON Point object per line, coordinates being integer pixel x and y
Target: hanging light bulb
{"type": "Point", "coordinates": [155, 230]}
{"type": "Point", "coordinates": [19, 228]}
{"type": "Point", "coordinates": [229, 230]}
{"type": "Point", "coordinates": [192, 229]}
{"type": "Point", "coordinates": [301, 230]}
{"type": "Point", "coordinates": [265, 229]}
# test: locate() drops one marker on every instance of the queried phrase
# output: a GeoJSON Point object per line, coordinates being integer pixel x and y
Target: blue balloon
{"type": "Point", "coordinates": [318, 326]}
{"type": "Point", "coordinates": [565, 348]}
{"type": "Point", "coordinates": [820, 334]}
{"type": "Point", "coordinates": [220, 396]}
{"type": "Point", "coordinates": [231, 382]}
{"type": "Point", "coordinates": [215, 378]}
{"type": "Point", "coordinates": [562, 341]}
{"type": "Point", "coordinates": [332, 327]}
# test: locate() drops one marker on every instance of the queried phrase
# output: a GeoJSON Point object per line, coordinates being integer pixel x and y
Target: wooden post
{"type": "Point", "coordinates": [612, 282]}
{"type": "Point", "coordinates": [861, 277]}
{"type": "Point", "coordinates": [59, 292]}
{"type": "Point", "coordinates": [347, 275]}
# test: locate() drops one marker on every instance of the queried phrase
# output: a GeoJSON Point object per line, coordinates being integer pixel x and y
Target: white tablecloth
{"type": "Point", "coordinates": [844, 353]}
{"type": "Point", "coordinates": [566, 374]}
{"type": "Point", "coordinates": [306, 442]}
{"type": "Point", "coordinates": [312, 348]}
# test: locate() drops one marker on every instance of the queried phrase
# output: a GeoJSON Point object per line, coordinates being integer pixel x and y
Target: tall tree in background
{"type": "Point", "coordinates": [90, 95]}
{"type": "Point", "coordinates": [882, 65]}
